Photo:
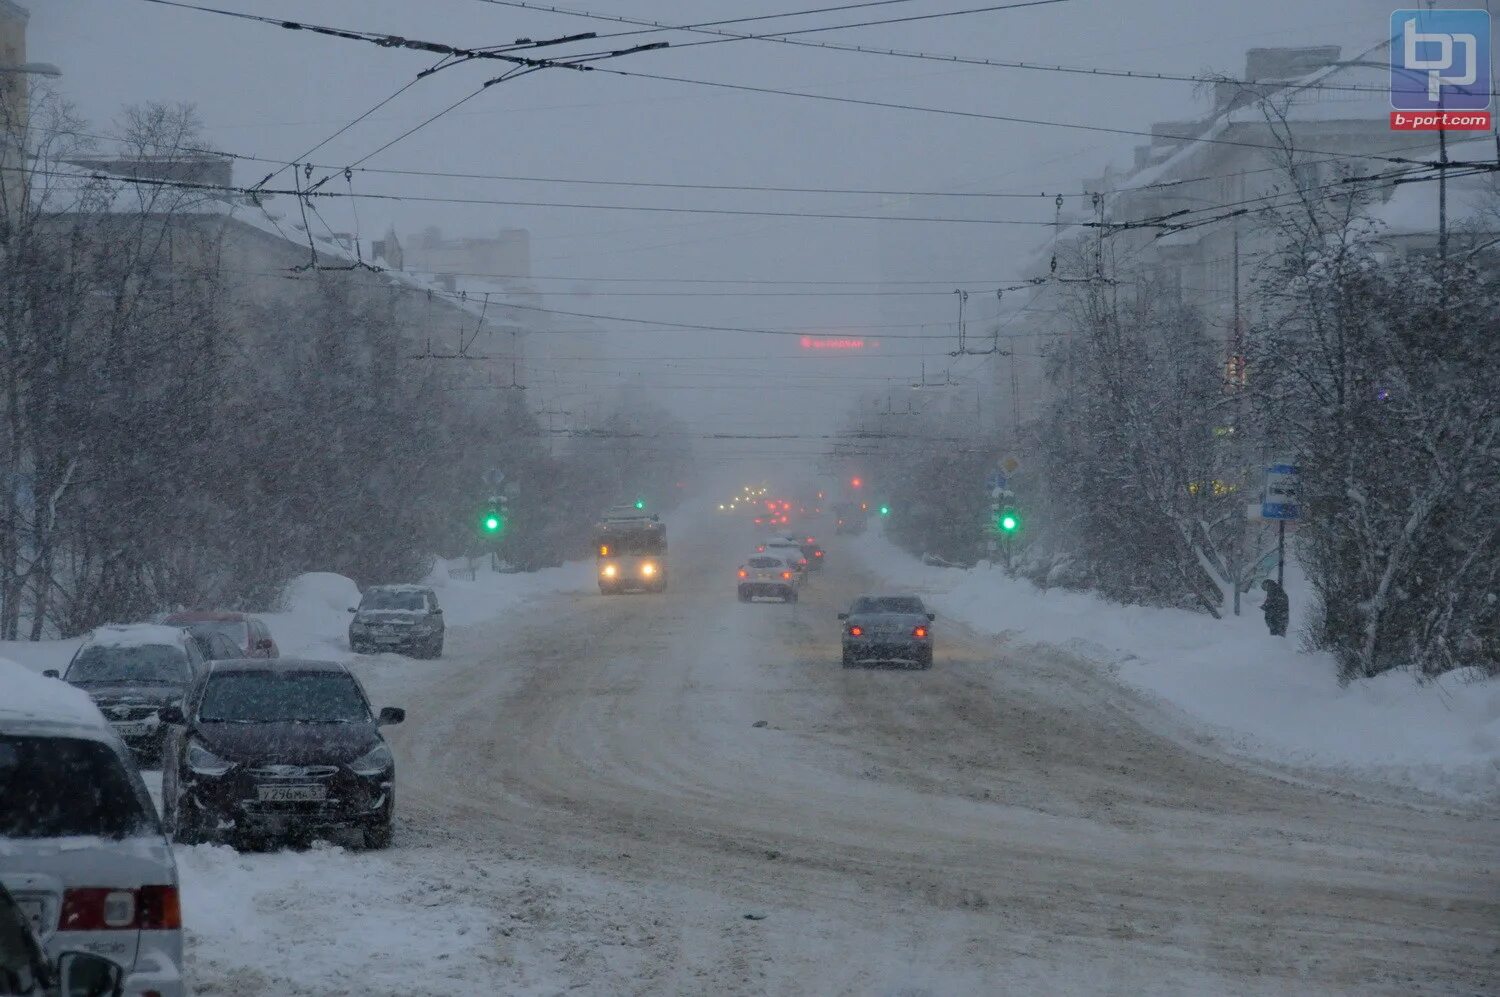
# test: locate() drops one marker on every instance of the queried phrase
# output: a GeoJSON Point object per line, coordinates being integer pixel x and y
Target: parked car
{"type": "Point", "coordinates": [277, 746]}
{"type": "Point", "coordinates": [214, 646]}
{"type": "Point", "coordinates": [83, 855]}
{"type": "Point", "coordinates": [248, 633]}
{"type": "Point", "coordinates": [131, 672]}
{"type": "Point", "coordinates": [25, 970]}
{"type": "Point", "coordinates": [887, 628]}
{"type": "Point", "coordinates": [397, 618]}
{"type": "Point", "coordinates": [768, 576]}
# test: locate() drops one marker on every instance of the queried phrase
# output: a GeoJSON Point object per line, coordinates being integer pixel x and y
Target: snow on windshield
{"type": "Point", "coordinates": [286, 697]}
{"type": "Point", "coordinates": [143, 664]}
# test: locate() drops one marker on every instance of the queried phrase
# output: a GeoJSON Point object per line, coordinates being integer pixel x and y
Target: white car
{"type": "Point", "coordinates": [769, 576]}
{"type": "Point", "coordinates": [81, 849]}
{"type": "Point", "coordinates": [787, 549]}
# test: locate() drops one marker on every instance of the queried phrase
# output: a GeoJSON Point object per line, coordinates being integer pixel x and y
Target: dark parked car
{"type": "Point", "coordinates": [248, 633]}
{"type": "Point", "coordinates": [131, 672]}
{"type": "Point", "coordinates": [214, 646]}
{"type": "Point", "coordinates": [271, 747]}
{"type": "Point", "coordinates": [397, 618]}
{"type": "Point", "coordinates": [887, 628]}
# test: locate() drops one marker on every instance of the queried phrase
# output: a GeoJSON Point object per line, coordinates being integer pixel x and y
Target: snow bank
{"type": "Point", "coordinates": [369, 919]}
{"type": "Point", "coordinates": [314, 617]}
{"type": "Point", "coordinates": [25, 693]}
{"type": "Point", "coordinates": [137, 635]}
{"type": "Point", "coordinates": [467, 600]}
{"type": "Point", "coordinates": [1258, 693]}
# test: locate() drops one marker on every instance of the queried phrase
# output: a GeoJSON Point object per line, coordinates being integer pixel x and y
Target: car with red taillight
{"type": "Point", "coordinates": [248, 633]}
{"type": "Point", "coordinates": [81, 850]}
{"type": "Point", "coordinates": [767, 576]}
{"type": "Point", "coordinates": [887, 628]}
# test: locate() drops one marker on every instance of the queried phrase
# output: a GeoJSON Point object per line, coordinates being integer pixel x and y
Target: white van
{"type": "Point", "coordinates": [81, 850]}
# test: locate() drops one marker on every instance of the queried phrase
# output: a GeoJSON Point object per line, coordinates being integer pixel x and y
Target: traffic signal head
{"type": "Point", "coordinates": [640, 503]}
{"type": "Point", "coordinates": [492, 523]}
{"type": "Point", "coordinates": [885, 510]}
{"type": "Point", "coordinates": [856, 483]}
{"type": "Point", "coordinates": [1009, 521]}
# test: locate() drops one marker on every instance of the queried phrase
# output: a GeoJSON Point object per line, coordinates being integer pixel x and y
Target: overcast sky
{"type": "Point", "coordinates": [270, 92]}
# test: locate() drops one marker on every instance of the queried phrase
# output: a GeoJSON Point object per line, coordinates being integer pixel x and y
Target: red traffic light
{"type": "Point", "coordinates": [856, 482]}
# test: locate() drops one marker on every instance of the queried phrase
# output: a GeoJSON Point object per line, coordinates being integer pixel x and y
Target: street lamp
{"type": "Point", "coordinates": [33, 69]}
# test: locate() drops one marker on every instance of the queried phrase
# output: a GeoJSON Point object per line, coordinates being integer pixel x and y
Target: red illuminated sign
{"type": "Point", "coordinates": [832, 343]}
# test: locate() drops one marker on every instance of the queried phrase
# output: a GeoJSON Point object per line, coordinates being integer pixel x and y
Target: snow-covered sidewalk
{"type": "Point", "coordinates": [1258, 694]}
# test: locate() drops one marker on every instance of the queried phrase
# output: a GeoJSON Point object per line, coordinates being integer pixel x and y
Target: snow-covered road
{"type": "Point", "coordinates": [588, 800]}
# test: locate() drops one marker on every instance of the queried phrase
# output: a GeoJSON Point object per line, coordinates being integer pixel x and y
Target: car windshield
{"type": "Point", "coordinates": [384, 599]}
{"type": "Point", "coordinates": [235, 631]}
{"type": "Point", "coordinates": [283, 697]}
{"type": "Point", "coordinates": [139, 664]}
{"type": "Point", "coordinates": [888, 604]}
{"type": "Point", "coordinates": [54, 787]}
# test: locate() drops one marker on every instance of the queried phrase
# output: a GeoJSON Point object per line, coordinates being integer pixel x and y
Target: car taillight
{"type": "Point", "coordinates": [817, 553]}
{"type": "Point", "coordinates": [744, 573]}
{"type": "Point", "coordinates": [158, 908]}
{"type": "Point", "coordinates": [919, 632]}
{"type": "Point", "coordinates": [94, 908]}
{"type": "Point", "coordinates": [856, 631]}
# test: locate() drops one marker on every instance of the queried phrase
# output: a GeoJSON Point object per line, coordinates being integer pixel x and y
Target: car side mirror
{"type": "Point", "coordinates": [391, 715]}
{"type": "Point", "coordinates": [52, 673]}
{"type": "Point", "coordinates": [84, 974]}
{"type": "Point", "coordinates": [931, 617]}
{"type": "Point", "coordinates": [843, 616]}
{"type": "Point", "coordinates": [353, 610]}
{"type": "Point", "coordinates": [438, 611]}
{"type": "Point", "coordinates": [264, 644]}
{"type": "Point", "coordinates": [171, 715]}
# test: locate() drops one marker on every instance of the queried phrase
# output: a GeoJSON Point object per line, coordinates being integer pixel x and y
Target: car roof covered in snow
{"type": "Point", "coordinates": [275, 665]}
{"type": "Point", "coordinates": [136, 635]}
{"type": "Point", "coordinates": [35, 704]}
{"type": "Point", "coordinates": [398, 588]}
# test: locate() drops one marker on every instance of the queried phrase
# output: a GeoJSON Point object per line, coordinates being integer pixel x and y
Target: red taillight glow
{"type": "Point", "coordinates": [919, 632]}
{"type": "Point", "coordinates": [786, 574]}
{"type": "Point", "coordinates": [817, 553]}
{"type": "Point", "coordinates": [744, 573]}
{"type": "Point", "coordinates": [151, 908]}
{"type": "Point", "coordinates": [856, 631]}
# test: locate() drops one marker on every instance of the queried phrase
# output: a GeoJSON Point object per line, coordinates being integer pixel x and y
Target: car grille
{"type": "Point", "coordinates": [299, 772]}
{"type": "Point", "coordinates": [126, 712]}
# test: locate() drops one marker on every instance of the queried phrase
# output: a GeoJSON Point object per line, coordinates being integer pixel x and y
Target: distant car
{"type": "Point", "coordinates": [887, 628]}
{"type": "Point", "coordinates": [131, 672]}
{"type": "Point", "coordinates": [813, 551]}
{"type": "Point", "coordinates": [82, 853]}
{"type": "Point", "coordinates": [249, 633]}
{"type": "Point", "coordinates": [768, 576]}
{"type": "Point", "coordinates": [270, 747]}
{"type": "Point", "coordinates": [788, 549]}
{"type": "Point", "coordinates": [397, 618]}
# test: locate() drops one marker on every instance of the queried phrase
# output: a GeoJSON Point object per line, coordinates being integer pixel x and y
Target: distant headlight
{"type": "Point", "coordinates": [205, 762]}
{"type": "Point", "coordinates": [648, 569]}
{"type": "Point", "coordinates": [373, 762]}
{"type": "Point", "coordinates": [610, 571]}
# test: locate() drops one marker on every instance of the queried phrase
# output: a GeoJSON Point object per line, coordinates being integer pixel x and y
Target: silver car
{"type": "Point", "coordinates": [81, 849]}
{"type": "Point", "coordinates": [887, 628]}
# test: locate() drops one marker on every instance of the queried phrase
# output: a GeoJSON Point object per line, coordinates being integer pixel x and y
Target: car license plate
{"type": "Point", "coordinates": [292, 794]}
{"type": "Point", "coordinates": [132, 729]}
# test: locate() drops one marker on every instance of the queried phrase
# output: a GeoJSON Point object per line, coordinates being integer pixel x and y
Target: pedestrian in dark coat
{"type": "Point", "coordinates": [1276, 607]}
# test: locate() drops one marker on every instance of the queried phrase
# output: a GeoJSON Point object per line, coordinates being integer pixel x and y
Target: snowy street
{"type": "Point", "coordinates": [587, 800]}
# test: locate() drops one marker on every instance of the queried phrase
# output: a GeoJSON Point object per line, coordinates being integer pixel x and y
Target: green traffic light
{"type": "Point", "coordinates": [640, 503]}
{"type": "Point", "coordinates": [1009, 522]}
{"type": "Point", "coordinates": [492, 523]}
{"type": "Point", "coordinates": [885, 510]}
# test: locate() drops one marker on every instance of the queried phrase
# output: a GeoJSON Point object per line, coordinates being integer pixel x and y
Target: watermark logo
{"type": "Point", "coordinates": [1440, 70]}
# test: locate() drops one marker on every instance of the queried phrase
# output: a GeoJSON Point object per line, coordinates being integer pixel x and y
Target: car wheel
{"type": "Point", "coordinates": [848, 658]}
{"type": "Point", "coordinates": [924, 659]}
{"type": "Point", "coordinates": [791, 595]}
{"type": "Point", "coordinates": [744, 595]}
{"type": "Point", "coordinates": [184, 823]}
{"type": "Point", "coordinates": [378, 836]}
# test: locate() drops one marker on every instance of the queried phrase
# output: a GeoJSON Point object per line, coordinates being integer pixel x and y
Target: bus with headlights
{"type": "Point", "coordinates": [630, 552]}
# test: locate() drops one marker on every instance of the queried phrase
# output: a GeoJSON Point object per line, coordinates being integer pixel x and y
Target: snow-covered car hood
{"type": "Point", "coordinates": [108, 694]}
{"type": "Point", "coordinates": [288, 743]}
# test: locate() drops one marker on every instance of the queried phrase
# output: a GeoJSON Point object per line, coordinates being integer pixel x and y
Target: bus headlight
{"type": "Point", "coordinates": [610, 571]}
{"type": "Point", "coordinates": [648, 569]}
